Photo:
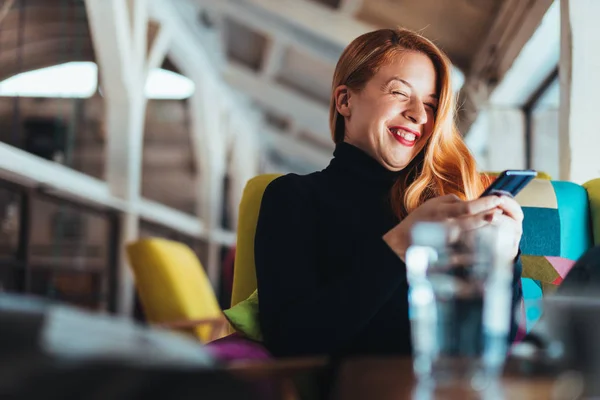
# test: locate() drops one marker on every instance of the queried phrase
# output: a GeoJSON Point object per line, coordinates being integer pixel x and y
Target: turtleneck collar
{"type": "Point", "coordinates": [353, 161]}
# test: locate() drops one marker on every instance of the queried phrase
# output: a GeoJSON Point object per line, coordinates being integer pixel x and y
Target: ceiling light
{"type": "Point", "coordinates": [80, 80]}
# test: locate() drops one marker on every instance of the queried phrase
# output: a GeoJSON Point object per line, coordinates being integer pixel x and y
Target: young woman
{"type": "Point", "coordinates": [330, 245]}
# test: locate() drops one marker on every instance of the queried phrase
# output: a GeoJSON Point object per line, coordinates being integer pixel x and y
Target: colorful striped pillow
{"type": "Point", "coordinates": [556, 231]}
{"type": "Point", "coordinates": [541, 276]}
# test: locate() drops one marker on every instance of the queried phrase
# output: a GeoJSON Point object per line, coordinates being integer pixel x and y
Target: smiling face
{"type": "Point", "coordinates": [391, 118]}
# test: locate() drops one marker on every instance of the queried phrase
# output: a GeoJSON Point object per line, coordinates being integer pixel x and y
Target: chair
{"type": "Point", "coordinates": [557, 231]}
{"type": "Point", "coordinates": [244, 272]}
{"type": "Point", "coordinates": [174, 290]}
{"type": "Point", "coordinates": [176, 293]}
{"type": "Point", "coordinates": [556, 226]}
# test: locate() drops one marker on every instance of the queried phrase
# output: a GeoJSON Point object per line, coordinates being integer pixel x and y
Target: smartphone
{"type": "Point", "coordinates": [510, 182]}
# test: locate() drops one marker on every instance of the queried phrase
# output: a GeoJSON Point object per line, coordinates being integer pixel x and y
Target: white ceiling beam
{"type": "Point", "coordinates": [350, 7]}
{"type": "Point", "coordinates": [307, 113]}
{"type": "Point", "coordinates": [34, 172]}
{"type": "Point", "coordinates": [158, 48]}
{"type": "Point", "coordinates": [243, 160]}
{"type": "Point", "coordinates": [28, 170]}
{"type": "Point", "coordinates": [138, 11]}
{"type": "Point", "coordinates": [210, 153]}
{"type": "Point", "coordinates": [224, 237]}
{"type": "Point", "coordinates": [181, 222]}
{"type": "Point", "coordinates": [119, 33]}
{"type": "Point", "coordinates": [536, 61]}
{"type": "Point", "coordinates": [189, 53]}
{"type": "Point", "coordinates": [292, 147]}
{"type": "Point", "coordinates": [261, 20]}
{"type": "Point", "coordinates": [315, 18]}
{"type": "Point", "coordinates": [112, 41]}
{"type": "Point", "coordinates": [273, 59]}
{"type": "Point", "coordinates": [158, 213]}
{"type": "Point", "coordinates": [187, 50]}
{"type": "Point", "coordinates": [293, 129]}
{"type": "Point", "coordinates": [316, 29]}
{"type": "Point", "coordinates": [189, 57]}
{"type": "Point", "coordinates": [514, 25]}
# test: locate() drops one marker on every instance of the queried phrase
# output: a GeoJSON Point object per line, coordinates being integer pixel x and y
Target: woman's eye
{"type": "Point", "coordinates": [400, 94]}
{"type": "Point", "coordinates": [432, 106]}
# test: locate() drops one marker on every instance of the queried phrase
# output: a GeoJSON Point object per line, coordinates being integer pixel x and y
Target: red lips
{"type": "Point", "coordinates": [400, 139]}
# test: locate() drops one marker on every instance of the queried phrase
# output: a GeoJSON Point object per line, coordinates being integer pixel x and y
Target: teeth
{"type": "Point", "coordinates": [408, 136]}
{"type": "Point", "coordinates": [411, 137]}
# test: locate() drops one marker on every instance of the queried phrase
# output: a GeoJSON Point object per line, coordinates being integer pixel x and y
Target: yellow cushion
{"type": "Point", "coordinates": [593, 189]}
{"type": "Point", "coordinates": [172, 284]}
{"type": "Point", "coordinates": [244, 274]}
{"type": "Point", "coordinates": [538, 193]}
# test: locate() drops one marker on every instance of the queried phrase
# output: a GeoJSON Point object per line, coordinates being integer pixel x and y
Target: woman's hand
{"type": "Point", "coordinates": [508, 218]}
{"type": "Point", "coordinates": [471, 214]}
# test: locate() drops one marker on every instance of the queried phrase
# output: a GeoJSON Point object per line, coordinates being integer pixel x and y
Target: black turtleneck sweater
{"type": "Point", "coordinates": [327, 282]}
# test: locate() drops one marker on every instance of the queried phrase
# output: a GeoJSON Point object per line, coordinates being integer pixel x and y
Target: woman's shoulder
{"type": "Point", "coordinates": [295, 186]}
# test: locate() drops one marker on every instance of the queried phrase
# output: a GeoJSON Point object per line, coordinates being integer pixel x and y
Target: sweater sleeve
{"type": "Point", "coordinates": [299, 313]}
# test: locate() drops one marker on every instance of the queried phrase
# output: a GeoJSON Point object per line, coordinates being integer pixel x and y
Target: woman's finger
{"type": "Point", "coordinates": [470, 222]}
{"type": "Point", "coordinates": [509, 233]}
{"type": "Point", "coordinates": [473, 207]}
{"type": "Point", "coordinates": [493, 215]}
{"type": "Point", "coordinates": [512, 208]}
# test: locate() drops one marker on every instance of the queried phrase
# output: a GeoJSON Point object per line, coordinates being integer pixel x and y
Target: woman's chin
{"type": "Point", "coordinates": [396, 164]}
{"type": "Point", "coordinates": [399, 159]}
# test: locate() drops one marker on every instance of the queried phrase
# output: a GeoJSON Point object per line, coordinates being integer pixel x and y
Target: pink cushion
{"type": "Point", "coordinates": [236, 347]}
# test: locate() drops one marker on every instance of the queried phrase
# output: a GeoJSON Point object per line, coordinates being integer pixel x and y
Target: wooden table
{"type": "Point", "coordinates": [393, 379]}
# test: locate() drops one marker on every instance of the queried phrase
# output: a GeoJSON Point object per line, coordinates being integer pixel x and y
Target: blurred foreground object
{"type": "Point", "coordinates": [565, 339]}
{"type": "Point", "coordinates": [460, 302]}
{"type": "Point", "coordinates": [59, 352]}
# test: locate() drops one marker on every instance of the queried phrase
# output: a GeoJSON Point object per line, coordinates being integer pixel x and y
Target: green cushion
{"type": "Point", "coordinates": [244, 317]}
{"type": "Point", "coordinates": [541, 276]}
{"type": "Point", "coordinates": [593, 189]}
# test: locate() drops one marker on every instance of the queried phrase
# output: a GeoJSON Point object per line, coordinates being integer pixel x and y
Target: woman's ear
{"type": "Point", "coordinates": [342, 100]}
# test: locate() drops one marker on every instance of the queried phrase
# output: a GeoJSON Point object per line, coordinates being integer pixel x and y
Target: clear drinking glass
{"type": "Point", "coordinates": [459, 301]}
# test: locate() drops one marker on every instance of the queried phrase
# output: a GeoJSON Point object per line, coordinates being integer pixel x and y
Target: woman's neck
{"type": "Point", "coordinates": [352, 160]}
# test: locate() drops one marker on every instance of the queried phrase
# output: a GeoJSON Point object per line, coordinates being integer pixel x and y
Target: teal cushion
{"type": "Point", "coordinates": [532, 295]}
{"type": "Point", "coordinates": [541, 232]}
{"type": "Point", "coordinates": [575, 220]}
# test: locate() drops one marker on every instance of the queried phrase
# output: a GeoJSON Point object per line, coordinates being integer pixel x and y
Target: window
{"type": "Point", "coordinates": [542, 133]}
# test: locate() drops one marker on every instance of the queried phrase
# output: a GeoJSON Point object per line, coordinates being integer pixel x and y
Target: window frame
{"type": "Point", "coordinates": [528, 109]}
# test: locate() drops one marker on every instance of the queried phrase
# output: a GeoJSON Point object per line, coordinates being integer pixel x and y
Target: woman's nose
{"type": "Point", "coordinates": [416, 113]}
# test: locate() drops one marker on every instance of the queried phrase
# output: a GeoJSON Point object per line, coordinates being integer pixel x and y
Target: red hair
{"type": "Point", "coordinates": [445, 165]}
